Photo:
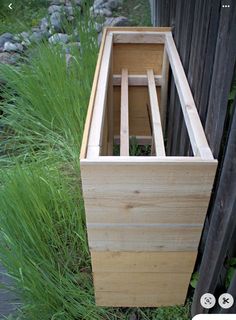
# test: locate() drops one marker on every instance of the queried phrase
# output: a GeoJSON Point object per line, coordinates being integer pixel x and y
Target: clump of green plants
{"type": "Point", "coordinates": [23, 15]}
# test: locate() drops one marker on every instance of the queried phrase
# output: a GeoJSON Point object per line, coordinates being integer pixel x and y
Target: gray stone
{"type": "Point", "coordinates": [37, 36]}
{"type": "Point", "coordinates": [70, 18]}
{"type": "Point", "coordinates": [98, 3]}
{"type": "Point", "coordinates": [12, 47]}
{"type": "Point", "coordinates": [6, 37]}
{"type": "Point", "coordinates": [44, 24]}
{"type": "Point", "coordinates": [98, 26]}
{"type": "Point", "coordinates": [69, 10]}
{"type": "Point", "coordinates": [107, 13]}
{"type": "Point", "coordinates": [59, 38]}
{"type": "Point", "coordinates": [57, 2]}
{"type": "Point", "coordinates": [78, 2]}
{"type": "Point", "coordinates": [117, 21]}
{"type": "Point", "coordinates": [9, 58]}
{"type": "Point", "coordinates": [25, 38]}
{"type": "Point", "coordinates": [56, 22]}
{"type": "Point", "coordinates": [54, 8]}
{"type": "Point", "coordinates": [113, 4]}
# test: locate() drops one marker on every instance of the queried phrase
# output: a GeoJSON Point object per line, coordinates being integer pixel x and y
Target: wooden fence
{"type": "Point", "coordinates": [205, 36]}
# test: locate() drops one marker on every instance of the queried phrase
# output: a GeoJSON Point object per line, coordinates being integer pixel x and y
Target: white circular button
{"type": "Point", "coordinates": [226, 301]}
{"type": "Point", "coordinates": [208, 300]}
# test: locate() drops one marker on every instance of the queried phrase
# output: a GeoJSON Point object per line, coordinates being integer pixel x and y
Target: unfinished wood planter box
{"type": "Point", "coordinates": [144, 213]}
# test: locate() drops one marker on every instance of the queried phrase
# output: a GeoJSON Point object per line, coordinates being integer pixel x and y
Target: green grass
{"type": "Point", "coordinates": [43, 236]}
{"type": "Point", "coordinates": [24, 14]}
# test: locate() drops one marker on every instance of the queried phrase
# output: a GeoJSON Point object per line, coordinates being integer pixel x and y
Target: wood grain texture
{"type": "Point", "coordinates": [146, 262]}
{"type": "Point", "coordinates": [138, 37]}
{"type": "Point", "coordinates": [124, 237]}
{"type": "Point", "coordinates": [155, 116]}
{"type": "Point", "coordinates": [84, 146]}
{"type": "Point", "coordinates": [140, 289]}
{"type": "Point", "coordinates": [97, 121]}
{"type": "Point", "coordinates": [124, 114]}
{"type": "Point", "coordinates": [137, 58]}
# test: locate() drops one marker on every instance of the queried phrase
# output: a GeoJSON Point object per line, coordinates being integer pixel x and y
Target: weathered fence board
{"type": "Point", "coordinates": [204, 32]}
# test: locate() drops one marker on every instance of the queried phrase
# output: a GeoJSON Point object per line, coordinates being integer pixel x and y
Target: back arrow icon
{"type": "Point", "coordinates": [10, 6]}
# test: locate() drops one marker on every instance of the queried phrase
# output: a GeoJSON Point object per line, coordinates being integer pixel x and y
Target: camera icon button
{"type": "Point", "coordinates": [208, 300]}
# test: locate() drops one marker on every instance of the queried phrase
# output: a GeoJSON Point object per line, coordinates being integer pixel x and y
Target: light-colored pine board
{"type": "Point", "coordinates": [146, 209]}
{"type": "Point", "coordinates": [97, 121]}
{"type": "Point", "coordinates": [137, 58]}
{"type": "Point", "coordinates": [110, 110]}
{"type": "Point", "coordinates": [138, 37]}
{"type": "Point", "coordinates": [140, 289]}
{"type": "Point", "coordinates": [83, 150]}
{"type": "Point", "coordinates": [193, 123]}
{"type": "Point", "coordinates": [147, 262]}
{"type": "Point", "coordinates": [164, 89]}
{"type": "Point", "coordinates": [155, 115]}
{"type": "Point", "coordinates": [124, 114]}
{"type": "Point", "coordinates": [136, 80]}
{"type": "Point", "coordinates": [123, 237]}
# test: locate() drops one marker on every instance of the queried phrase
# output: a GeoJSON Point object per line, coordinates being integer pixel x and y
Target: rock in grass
{"type": "Point", "coordinates": [6, 37]}
{"type": "Point", "coordinates": [12, 47]}
{"type": "Point", "coordinates": [117, 21]}
{"type": "Point", "coordinates": [9, 58]}
{"type": "Point", "coordinates": [113, 4]}
{"type": "Point", "coordinates": [36, 37]}
{"type": "Point", "coordinates": [44, 25]}
{"type": "Point", "coordinates": [54, 8]}
{"type": "Point", "coordinates": [56, 22]}
{"type": "Point", "coordinates": [59, 38]}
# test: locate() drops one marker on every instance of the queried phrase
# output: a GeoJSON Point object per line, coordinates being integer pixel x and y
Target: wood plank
{"type": "Point", "coordinates": [136, 80]}
{"type": "Point", "coordinates": [100, 99]}
{"type": "Point", "coordinates": [191, 117]}
{"type": "Point", "coordinates": [155, 116]}
{"type": "Point", "coordinates": [147, 262]}
{"type": "Point", "coordinates": [164, 89]}
{"type": "Point", "coordinates": [83, 150]}
{"type": "Point", "coordinates": [124, 115]}
{"type": "Point", "coordinates": [105, 237]}
{"type": "Point", "coordinates": [137, 58]}
{"type": "Point", "coordinates": [138, 37]}
{"type": "Point", "coordinates": [146, 209]}
{"type": "Point", "coordinates": [140, 289]}
{"type": "Point", "coordinates": [110, 109]}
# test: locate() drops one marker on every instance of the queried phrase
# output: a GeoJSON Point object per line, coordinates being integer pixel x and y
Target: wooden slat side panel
{"type": "Point", "coordinates": [143, 238]}
{"type": "Point", "coordinates": [148, 262]}
{"type": "Point", "coordinates": [140, 289]}
{"type": "Point", "coordinates": [148, 208]}
{"type": "Point", "coordinates": [137, 58]}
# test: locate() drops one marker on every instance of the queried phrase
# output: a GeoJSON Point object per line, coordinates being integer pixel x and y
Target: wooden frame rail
{"type": "Point", "coordinates": [104, 79]}
{"type": "Point", "coordinates": [155, 116]}
{"type": "Point", "coordinates": [124, 115]}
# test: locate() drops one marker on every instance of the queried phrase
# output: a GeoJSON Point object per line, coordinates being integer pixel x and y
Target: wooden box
{"type": "Point", "coordinates": [144, 213]}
